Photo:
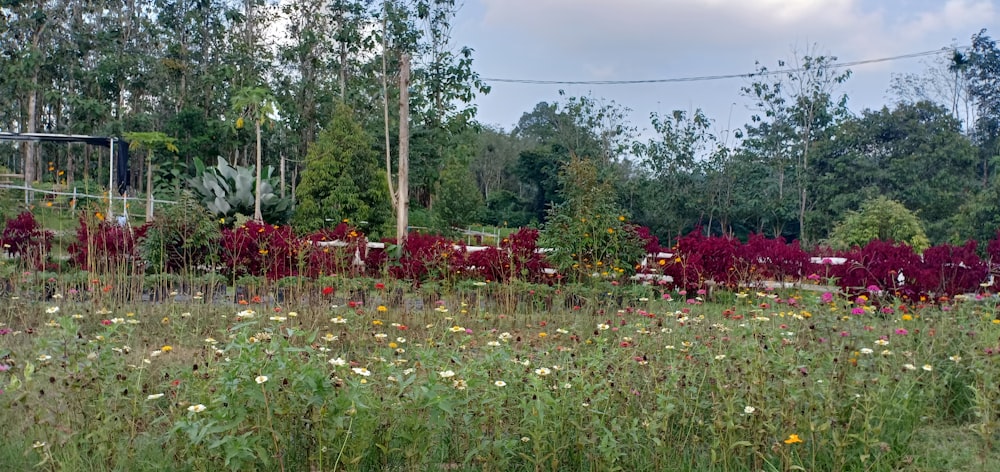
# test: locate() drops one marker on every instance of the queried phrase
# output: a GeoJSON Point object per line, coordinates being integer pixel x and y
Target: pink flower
{"type": "Point", "coordinates": [902, 331]}
{"type": "Point", "coordinates": [827, 297]}
{"type": "Point", "coordinates": [857, 311]}
{"type": "Point", "coordinates": [845, 334]}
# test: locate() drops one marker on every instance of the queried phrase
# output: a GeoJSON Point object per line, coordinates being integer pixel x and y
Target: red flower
{"type": "Point", "coordinates": [328, 290]}
{"type": "Point", "coordinates": [379, 286]}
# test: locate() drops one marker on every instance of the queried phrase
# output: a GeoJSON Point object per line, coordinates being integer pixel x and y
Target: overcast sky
{"type": "Point", "coordinates": [659, 39]}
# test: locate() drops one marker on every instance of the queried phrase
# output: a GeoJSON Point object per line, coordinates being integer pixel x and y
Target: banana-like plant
{"type": "Point", "coordinates": [228, 190]}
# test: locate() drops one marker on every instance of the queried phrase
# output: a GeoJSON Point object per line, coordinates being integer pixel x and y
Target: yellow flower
{"type": "Point", "coordinates": [377, 323]}
{"type": "Point", "coordinates": [382, 308]}
{"type": "Point", "coordinates": [907, 318]}
{"type": "Point", "coordinates": [542, 334]}
{"type": "Point", "coordinates": [621, 218]}
{"type": "Point", "coordinates": [166, 348]}
{"type": "Point", "coordinates": [792, 439]}
{"type": "Point", "coordinates": [611, 231]}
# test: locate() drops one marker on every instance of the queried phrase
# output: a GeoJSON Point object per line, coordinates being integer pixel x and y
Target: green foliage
{"type": "Point", "coordinates": [184, 237]}
{"type": "Point", "coordinates": [882, 219]}
{"type": "Point", "coordinates": [588, 232]}
{"type": "Point", "coordinates": [238, 388]}
{"type": "Point", "coordinates": [228, 191]}
{"type": "Point", "coordinates": [913, 153]}
{"type": "Point", "coordinates": [459, 201]}
{"type": "Point", "coordinates": [343, 179]}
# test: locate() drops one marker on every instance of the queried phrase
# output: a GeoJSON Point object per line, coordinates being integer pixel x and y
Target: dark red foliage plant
{"type": "Point", "coordinates": [517, 257]}
{"type": "Point", "coordinates": [429, 257]}
{"type": "Point", "coordinates": [24, 238]}
{"type": "Point", "coordinates": [102, 246]}
{"type": "Point", "coordinates": [260, 249]}
{"type": "Point", "coordinates": [337, 251]}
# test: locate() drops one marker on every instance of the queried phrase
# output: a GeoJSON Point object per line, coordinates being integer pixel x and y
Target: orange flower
{"type": "Point", "coordinates": [792, 439]}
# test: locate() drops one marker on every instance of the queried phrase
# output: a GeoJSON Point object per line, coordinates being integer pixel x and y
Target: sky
{"type": "Point", "coordinates": [586, 40]}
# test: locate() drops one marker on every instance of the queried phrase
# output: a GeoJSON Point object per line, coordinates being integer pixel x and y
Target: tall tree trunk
{"type": "Point", "coordinates": [256, 198]}
{"type": "Point", "coordinates": [282, 175]}
{"type": "Point", "coordinates": [149, 187]}
{"type": "Point", "coordinates": [30, 149]}
{"type": "Point", "coordinates": [402, 215]}
{"type": "Point", "coordinates": [385, 117]}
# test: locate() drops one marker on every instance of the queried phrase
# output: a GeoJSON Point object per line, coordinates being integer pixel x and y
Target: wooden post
{"type": "Point", "coordinates": [282, 155]}
{"type": "Point", "coordinates": [403, 189]}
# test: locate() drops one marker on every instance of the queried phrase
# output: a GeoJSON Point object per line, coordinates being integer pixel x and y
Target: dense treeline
{"type": "Point", "coordinates": [196, 70]}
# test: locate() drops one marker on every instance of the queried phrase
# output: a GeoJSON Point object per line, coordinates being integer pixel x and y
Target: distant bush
{"type": "Point", "coordinates": [24, 238]}
{"type": "Point", "coordinates": [879, 219]}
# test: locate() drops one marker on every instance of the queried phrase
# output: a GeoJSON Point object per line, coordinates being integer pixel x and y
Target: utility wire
{"type": "Point", "coordinates": [703, 78]}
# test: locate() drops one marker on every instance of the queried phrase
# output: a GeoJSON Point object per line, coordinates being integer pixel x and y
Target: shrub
{"type": "Point", "coordinates": [516, 258]}
{"type": "Point", "coordinates": [429, 257]}
{"type": "Point", "coordinates": [329, 259]}
{"type": "Point", "coordinates": [881, 219]}
{"type": "Point", "coordinates": [588, 231]}
{"type": "Point", "coordinates": [184, 237]}
{"type": "Point", "coordinates": [257, 249]}
{"type": "Point", "coordinates": [104, 247]}
{"type": "Point", "coordinates": [24, 238]}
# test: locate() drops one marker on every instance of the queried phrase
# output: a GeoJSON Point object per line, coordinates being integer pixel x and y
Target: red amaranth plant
{"type": "Point", "coordinates": [259, 249]}
{"type": "Point", "coordinates": [23, 237]}
{"type": "Point", "coordinates": [429, 257]}
{"type": "Point", "coordinates": [516, 258]}
{"type": "Point", "coordinates": [103, 246]}
{"type": "Point", "coordinates": [333, 251]}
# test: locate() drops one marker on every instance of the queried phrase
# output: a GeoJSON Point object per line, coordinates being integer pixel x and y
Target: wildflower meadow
{"type": "Point", "coordinates": [487, 377]}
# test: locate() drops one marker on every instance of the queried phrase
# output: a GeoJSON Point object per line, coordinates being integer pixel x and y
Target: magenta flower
{"type": "Point", "coordinates": [845, 334]}
{"type": "Point", "coordinates": [857, 311]}
{"type": "Point", "coordinates": [902, 331]}
{"type": "Point", "coordinates": [827, 297]}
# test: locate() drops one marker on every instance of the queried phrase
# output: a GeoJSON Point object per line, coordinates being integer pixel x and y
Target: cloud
{"type": "Point", "coordinates": [653, 39]}
{"type": "Point", "coordinates": [614, 31]}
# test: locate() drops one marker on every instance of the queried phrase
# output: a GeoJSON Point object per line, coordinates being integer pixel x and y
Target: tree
{"type": "Point", "coordinates": [675, 186]}
{"type": "Point", "coordinates": [589, 230]}
{"type": "Point", "coordinates": [150, 142]}
{"type": "Point", "coordinates": [460, 200]}
{"type": "Point", "coordinates": [343, 179]}
{"type": "Point", "coordinates": [879, 219]}
{"type": "Point", "coordinates": [984, 88]}
{"type": "Point", "coordinates": [914, 153]}
{"type": "Point", "coordinates": [796, 111]}
{"type": "Point", "coordinates": [256, 103]}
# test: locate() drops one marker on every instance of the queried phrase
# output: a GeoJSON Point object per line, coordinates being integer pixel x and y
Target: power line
{"type": "Point", "coordinates": [703, 78]}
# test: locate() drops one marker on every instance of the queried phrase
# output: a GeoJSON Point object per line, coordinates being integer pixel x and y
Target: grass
{"type": "Point", "coordinates": [729, 383]}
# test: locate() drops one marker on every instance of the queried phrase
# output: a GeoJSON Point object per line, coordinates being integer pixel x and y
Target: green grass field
{"type": "Point", "coordinates": [751, 381]}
